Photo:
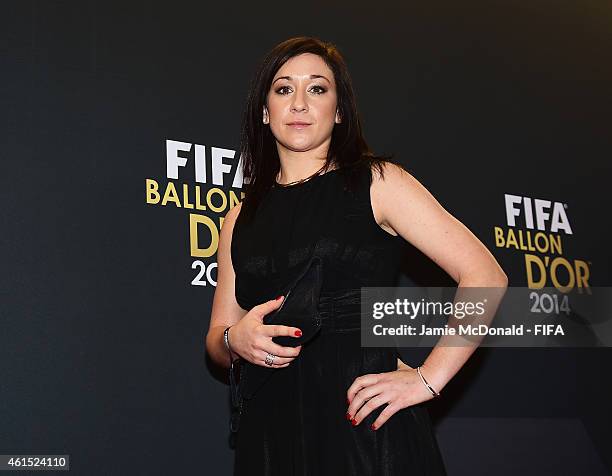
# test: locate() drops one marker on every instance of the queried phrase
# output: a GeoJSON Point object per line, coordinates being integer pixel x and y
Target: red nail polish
{"type": "Point", "coordinates": [298, 333]}
{"type": "Point", "coordinates": [348, 416]}
{"type": "Point", "coordinates": [279, 297]}
{"type": "Point", "coordinates": [373, 427]}
{"type": "Point", "coordinates": [353, 421]}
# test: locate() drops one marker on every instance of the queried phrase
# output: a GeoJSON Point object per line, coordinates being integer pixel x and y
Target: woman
{"type": "Point", "coordinates": [335, 408]}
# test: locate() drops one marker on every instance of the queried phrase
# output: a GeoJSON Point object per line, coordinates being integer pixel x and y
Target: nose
{"type": "Point", "coordinates": [299, 102]}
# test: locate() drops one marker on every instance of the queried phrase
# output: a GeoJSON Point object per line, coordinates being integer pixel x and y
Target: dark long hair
{"type": "Point", "coordinates": [260, 161]}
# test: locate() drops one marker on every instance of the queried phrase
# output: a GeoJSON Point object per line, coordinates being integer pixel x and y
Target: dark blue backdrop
{"type": "Point", "coordinates": [102, 342]}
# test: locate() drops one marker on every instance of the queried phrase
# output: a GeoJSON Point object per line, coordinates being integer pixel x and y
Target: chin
{"type": "Point", "coordinates": [297, 145]}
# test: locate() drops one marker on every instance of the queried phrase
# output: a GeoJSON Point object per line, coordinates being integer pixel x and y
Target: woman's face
{"type": "Point", "coordinates": [302, 90]}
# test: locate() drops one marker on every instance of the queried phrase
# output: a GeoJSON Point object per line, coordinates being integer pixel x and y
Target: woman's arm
{"type": "Point", "coordinates": [249, 337]}
{"type": "Point", "coordinates": [225, 310]}
{"type": "Point", "coordinates": [401, 203]}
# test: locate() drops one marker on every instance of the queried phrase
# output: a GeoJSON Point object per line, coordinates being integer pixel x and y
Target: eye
{"type": "Point", "coordinates": [278, 90]}
{"type": "Point", "coordinates": [321, 88]}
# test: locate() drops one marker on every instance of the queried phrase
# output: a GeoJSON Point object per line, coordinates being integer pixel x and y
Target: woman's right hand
{"type": "Point", "coordinates": [251, 339]}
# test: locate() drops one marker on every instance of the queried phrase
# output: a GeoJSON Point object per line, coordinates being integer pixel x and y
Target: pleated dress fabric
{"type": "Point", "coordinates": [296, 423]}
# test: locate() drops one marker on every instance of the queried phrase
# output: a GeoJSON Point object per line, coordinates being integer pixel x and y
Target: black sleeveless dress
{"type": "Point", "coordinates": [296, 424]}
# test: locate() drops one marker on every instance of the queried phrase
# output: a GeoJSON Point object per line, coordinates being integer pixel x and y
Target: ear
{"type": "Point", "coordinates": [338, 118]}
{"type": "Point", "coordinates": [266, 118]}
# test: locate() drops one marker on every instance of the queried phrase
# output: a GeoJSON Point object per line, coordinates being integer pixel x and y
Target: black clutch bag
{"type": "Point", "coordinates": [299, 309]}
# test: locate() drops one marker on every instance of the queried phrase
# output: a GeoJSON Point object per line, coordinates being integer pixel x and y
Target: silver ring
{"type": "Point", "coordinates": [270, 359]}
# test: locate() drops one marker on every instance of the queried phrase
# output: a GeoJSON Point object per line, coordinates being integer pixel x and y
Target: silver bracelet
{"type": "Point", "coordinates": [226, 337]}
{"type": "Point", "coordinates": [226, 340]}
{"type": "Point", "coordinates": [429, 387]}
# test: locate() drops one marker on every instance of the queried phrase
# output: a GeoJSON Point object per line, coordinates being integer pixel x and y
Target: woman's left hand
{"type": "Point", "coordinates": [398, 389]}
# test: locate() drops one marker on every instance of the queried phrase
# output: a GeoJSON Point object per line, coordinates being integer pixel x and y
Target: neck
{"type": "Point", "coordinates": [298, 165]}
{"type": "Point", "coordinates": [299, 172]}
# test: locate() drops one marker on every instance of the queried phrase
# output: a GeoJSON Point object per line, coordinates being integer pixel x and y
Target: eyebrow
{"type": "Point", "coordinates": [312, 76]}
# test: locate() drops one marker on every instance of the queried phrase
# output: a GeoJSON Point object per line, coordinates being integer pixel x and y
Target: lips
{"type": "Point", "coordinates": [298, 125]}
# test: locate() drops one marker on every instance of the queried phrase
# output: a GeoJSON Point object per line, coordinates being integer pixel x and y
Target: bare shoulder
{"type": "Point", "coordinates": [390, 189]}
{"type": "Point", "coordinates": [232, 214]}
{"type": "Point", "coordinates": [230, 219]}
{"type": "Point", "coordinates": [393, 176]}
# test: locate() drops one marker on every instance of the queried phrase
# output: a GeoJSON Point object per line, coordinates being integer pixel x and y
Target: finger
{"type": "Point", "coordinates": [267, 307]}
{"type": "Point", "coordinates": [361, 382]}
{"type": "Point", "coordinates": [368, 407]}
{"type": "Point", "coordinates": [277, 330]}
{"type": "Point", "coordinates": [276, 362]}
{"type": "Point", "coordinates": [362, 397]}
{"type": "Point", "coordinates": [387, 413]}
{"type": "Point", "coordinates": [280, 350]}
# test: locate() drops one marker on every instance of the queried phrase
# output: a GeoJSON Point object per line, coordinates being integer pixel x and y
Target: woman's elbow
{"type": "Point", "coordinates": [497, 278]}
{"type": "Point", "coordinates": [489, 276]}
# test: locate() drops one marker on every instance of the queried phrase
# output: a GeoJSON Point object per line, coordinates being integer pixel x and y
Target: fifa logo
{"type": "Point", "coordinates": [549, 215]}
